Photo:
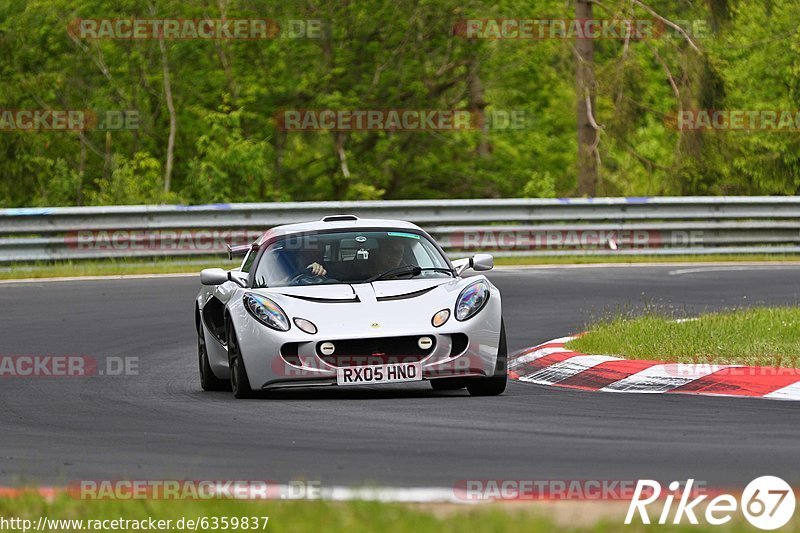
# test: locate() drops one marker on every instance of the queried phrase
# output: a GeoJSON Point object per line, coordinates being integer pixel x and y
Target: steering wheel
{"type": "Point", "coordinates": [307, 279]}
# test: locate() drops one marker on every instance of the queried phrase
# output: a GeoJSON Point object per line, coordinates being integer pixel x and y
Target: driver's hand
{"type": "Point", "coordinates": [317, 269]}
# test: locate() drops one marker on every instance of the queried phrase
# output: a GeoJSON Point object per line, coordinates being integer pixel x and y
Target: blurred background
{"type": "Point", "coordinates": [599, 113]}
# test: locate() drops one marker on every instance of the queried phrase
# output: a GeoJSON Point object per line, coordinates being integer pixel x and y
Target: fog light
{"type": "Point", "coordinates": [327, 348]}
{"type": "Point", "coordinates": [440, 318]}
{"type": "Point", "coordinates": [305, 325]}
{"type": "Point", "coordinates": [425, 343]}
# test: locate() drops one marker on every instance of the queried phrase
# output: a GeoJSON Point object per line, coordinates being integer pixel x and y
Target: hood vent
{"type": "Point", "coordinates": [355, 299]}
{"type": "Point", "coordinates": [406, 296]}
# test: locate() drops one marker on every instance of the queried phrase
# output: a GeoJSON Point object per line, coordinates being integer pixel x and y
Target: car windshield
{"type": "Point", "coordinates": [349, 257]}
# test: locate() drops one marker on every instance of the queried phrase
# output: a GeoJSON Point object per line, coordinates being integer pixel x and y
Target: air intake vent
{"type": "Point", "coordinates": [339, 218]}
{"type": "Point", "coordinates": [289, 353]}
{"type": "Point", "coordinates": [460, 344]}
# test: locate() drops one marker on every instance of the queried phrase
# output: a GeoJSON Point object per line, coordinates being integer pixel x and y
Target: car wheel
{"type": "Point", "coordinates": [208, 381]}
{"type": "Point", "coordinates": [240, 385]}
{"type": "Point", "coordinates": [496, 384]}
{"type": "Point", "coordinates": [448, 383]}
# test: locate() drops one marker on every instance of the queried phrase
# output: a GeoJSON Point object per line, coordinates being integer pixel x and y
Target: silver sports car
{"type": "Point", "coordinates": [347, 301]}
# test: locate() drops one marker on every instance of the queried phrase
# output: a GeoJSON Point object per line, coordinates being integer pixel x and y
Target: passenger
{"type": "Point", "coordinates": [390, 254]}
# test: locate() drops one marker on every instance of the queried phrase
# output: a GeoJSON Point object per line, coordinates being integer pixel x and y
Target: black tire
{"type": "Point", "coordinates": [448, 383]}
{"type": "Point", "coordinates": [208, 381]}
{"type": "Point", "coordinates": [496, 384]}
{"type": "Point", "coordinates": [240, 385]}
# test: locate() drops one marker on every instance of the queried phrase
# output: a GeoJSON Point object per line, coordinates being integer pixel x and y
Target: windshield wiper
{"type": "Point", "coordinates": [406, 270]}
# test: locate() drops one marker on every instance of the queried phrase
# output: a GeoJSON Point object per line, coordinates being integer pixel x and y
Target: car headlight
{"type": "Point", "coordinates": [471, 300]}
{"type": "Point", "coordinates": [266, 311]}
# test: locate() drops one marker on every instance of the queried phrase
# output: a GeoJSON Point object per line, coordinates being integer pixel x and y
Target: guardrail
{"type": "Point", "coordinates": [598, 226]}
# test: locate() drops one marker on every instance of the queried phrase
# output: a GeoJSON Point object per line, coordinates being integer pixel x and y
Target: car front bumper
{"type": "Point", "coordinates": [268, 368]}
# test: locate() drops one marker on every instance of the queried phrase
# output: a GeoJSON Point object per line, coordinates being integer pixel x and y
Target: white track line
{"type": "Point", "coordinates": [737, 268]}
{"type": "Point", "coordinates": [536, 353]}
{"type": "Point", "coordinates": [562, 340]}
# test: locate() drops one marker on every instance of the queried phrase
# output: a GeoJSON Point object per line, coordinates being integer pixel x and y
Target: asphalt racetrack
{"type": "Point", "coordinates": [160, 425]}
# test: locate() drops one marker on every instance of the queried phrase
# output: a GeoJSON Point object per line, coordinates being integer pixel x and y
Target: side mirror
{"type": "Point", "coordinates": [213, 276]}
{"type": "Point", "coordinates": [482, 262]}
{"type": "Point", "coordinates": [478, 262]}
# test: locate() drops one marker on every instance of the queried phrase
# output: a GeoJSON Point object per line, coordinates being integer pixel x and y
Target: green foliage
{"type": "Point", "coordinates": [541, 185]}
{"type": "Point", "coordinates": [228, 166]}
{"type": "Point", "coordinates": [763, 72]}
{"type": "Point", "coordinates": [376, 54]}
{"type": "Point", "coordinates": [137, 180]}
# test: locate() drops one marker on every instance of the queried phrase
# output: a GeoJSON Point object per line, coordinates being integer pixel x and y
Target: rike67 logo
{"type": "Point", "coordinates": [767, 502]}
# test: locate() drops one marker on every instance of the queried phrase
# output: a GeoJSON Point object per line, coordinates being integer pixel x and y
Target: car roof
{"type": "Point", "coordinates": [337, 222]}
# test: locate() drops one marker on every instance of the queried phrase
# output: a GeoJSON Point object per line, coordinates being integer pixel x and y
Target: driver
{"type": "Point", "coordinates": [309, 259]}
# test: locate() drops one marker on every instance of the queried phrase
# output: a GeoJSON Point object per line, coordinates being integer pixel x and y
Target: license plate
{"type": "Point", "coordinates": [391, 373]}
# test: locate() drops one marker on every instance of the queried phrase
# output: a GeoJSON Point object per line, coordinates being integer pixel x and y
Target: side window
{"type": "Point", "coordinates": [247, 263]}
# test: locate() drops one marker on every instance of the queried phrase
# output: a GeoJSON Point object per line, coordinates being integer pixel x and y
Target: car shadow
{"type": "Point", "coordinates": [358, 393]}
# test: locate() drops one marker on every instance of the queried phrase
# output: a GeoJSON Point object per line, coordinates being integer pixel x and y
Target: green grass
{"type": "Point", "coordinates": [756, 336]}
{"type": "Point", "coordinates": [122, 266]}
{"type": "Point", "coordinates": [314, 516]}
{"type": "Point", "coordinates": [113, 267]}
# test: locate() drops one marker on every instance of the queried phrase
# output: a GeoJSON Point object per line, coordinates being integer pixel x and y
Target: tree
{"type": "Point", "coordinates": [588, 130]}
